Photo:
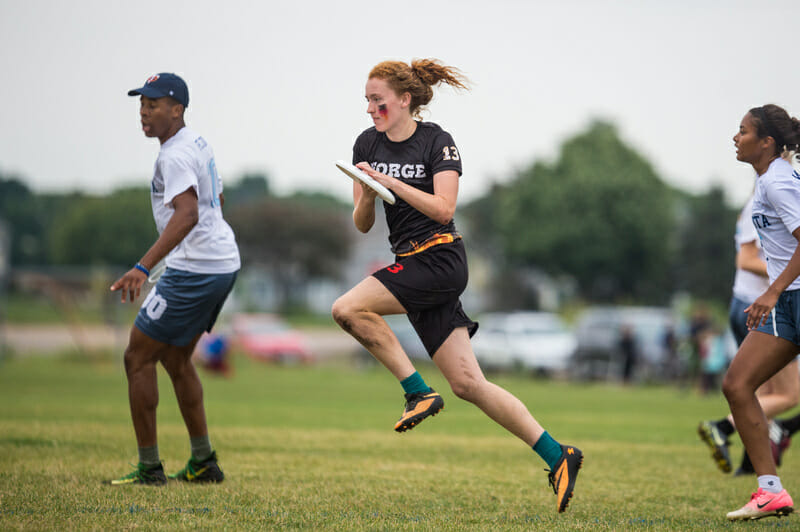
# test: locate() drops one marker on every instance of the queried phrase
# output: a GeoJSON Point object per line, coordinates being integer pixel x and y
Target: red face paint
{"type": "Point", "coordinates": [383, 111]}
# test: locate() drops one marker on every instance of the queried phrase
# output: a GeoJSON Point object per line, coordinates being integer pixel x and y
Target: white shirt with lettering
{"type": "Point", "coordinates": [187, 161]}
{"type": "Point", "coordinates": [776, 214]}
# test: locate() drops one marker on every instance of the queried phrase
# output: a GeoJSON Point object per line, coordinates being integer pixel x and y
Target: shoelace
{"type": "Point", "coordinates": [551, 479]}
{"type": "Point", "coordinates": [412, 404]}
{"type": "Point", "coordinates": [188, 469]}
{"type": "Point", "coordinates": [412, 400]}
{"type": "Point", "coordinates": [139, 472]}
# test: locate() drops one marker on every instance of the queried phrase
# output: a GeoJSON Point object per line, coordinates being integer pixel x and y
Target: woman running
{"type": "Point", "coordinates": [420, 164]}
{"type": "Point", "coordinates": [781, 392]}
{"type": "Point", "coordinates": [765, 133]}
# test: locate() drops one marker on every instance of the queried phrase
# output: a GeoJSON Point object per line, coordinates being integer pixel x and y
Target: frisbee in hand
{"type": "Point", "coordinates": [355, 173]}
{"type": "Point", "coordinates": [155, 273]}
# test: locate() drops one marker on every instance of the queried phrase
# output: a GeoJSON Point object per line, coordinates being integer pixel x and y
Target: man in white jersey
{"type": "Point", "coordinates": [202, 261]}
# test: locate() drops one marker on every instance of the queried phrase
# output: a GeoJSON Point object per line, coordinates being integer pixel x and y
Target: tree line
{"type": "Point", "coordinates": [598, 215]}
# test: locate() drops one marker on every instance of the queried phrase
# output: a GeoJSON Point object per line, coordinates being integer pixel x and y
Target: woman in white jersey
{"type": "Point", "coordinates": [782, 391]}
{"type": "Point", "coordinates": [765, 133]}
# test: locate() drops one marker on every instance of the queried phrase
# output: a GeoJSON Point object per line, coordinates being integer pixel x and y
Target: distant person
{"type": "Point", "coordinates": [713, 359]}
{"type": "Point", "coordinates": [670, 360]}
{"type": "Point", "coordinates": [628, 348]}
{"type": "Point", "coordinates": [202, 261]}
{"type": "Point", "coordinates": [781, 392]}
{"type": "Point", "coordinates": [765, 133]}
{"type": "Point", "coordinates": [214, 350]}
{"type": "Point", "coordinates": [699, 323]}
{"type": "Point", "coordinates": [420, 164]}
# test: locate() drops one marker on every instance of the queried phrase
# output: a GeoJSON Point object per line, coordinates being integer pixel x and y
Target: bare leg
{"type": "Point", "coordinates": [759, 357]}
{"type": "Point", "coordinates": [188, 388]}
{"type": "Point", "coordinates": [457, 363]}
{"type": "Point", "coordinates": [141, 357]}
{"type": "Point", "coordinates": [359, 312]}
{"type": "Point", "coordinates": [781, 392]}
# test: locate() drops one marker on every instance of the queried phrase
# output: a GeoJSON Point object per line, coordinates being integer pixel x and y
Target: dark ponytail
{"type": "Point", "coordinates": [773, 121]}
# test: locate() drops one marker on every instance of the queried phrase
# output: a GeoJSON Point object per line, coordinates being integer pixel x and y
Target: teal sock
{"type": "Point", "coordinates": [414, 384]}
{"type": "Point", "coordinates": [549, 449]}
{"type": "Point", "coordinates": [148, 456]}
{"type": "Point", "coordinates": [201, 447]}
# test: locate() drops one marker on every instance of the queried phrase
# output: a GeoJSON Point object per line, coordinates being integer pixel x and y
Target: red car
{"type": "Point", "coordinates": [267, 337]}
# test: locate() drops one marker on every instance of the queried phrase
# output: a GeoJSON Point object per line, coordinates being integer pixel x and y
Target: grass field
{"type": "Point", "coordinates": [313, 448]}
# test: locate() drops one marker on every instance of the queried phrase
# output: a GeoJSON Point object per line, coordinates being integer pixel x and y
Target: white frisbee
{"type": "Point", "coordinates": [355, 173]}
{"type": "Point", "coordinates": [156, 272]}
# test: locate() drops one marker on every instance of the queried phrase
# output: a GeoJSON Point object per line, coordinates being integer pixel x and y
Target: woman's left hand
{"type": "Point", "coordinates": [383, 179]}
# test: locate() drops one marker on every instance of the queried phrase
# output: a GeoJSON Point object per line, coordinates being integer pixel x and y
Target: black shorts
{"type": "Point", "coordinates": [428, 285]}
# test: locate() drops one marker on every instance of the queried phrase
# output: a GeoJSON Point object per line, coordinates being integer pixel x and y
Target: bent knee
{"type": "Point", "coordinates": [340, 312]}
{"type": "Point", "coordinates": [734, 386]}
{"type": "Point", "coordinates": [344, 313]}
{"type": "Point", "coordinates": [135, 360]}
{"type": "Point", "coordinates": [467, 387]}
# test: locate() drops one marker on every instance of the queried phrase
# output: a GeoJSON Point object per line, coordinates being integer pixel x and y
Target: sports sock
{"type": "Point", "coordinates": [747, 465]}
{"type": "Point", "coordinates": [775, 431]}
{"type": "Point", "coordinates": [414, 383]}
{"type": "Point", "coordinates": [549, 449]}
{"type": "Point", "coordinates": [148, 456]}
{"type": "Point", "coordinates": [201, 447]}
{"type": "Point", "coordinates": [792, 424]}
{"type": "Point", "coordinates": [770, 483]}
{"type": "Point", "coordinates": [725, 426]}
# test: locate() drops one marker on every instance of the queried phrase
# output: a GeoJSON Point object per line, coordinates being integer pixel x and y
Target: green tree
{"type": "Point", "coordinates": [250, 187]}
{"type": "Point", "coordinates": [294, 239]}
{"type": "Point", "coordinates": [111, 230]}
{"type": "Point", "coordinates": [25, 215]}
{"type": "Point", "coordinates": [599, 214]}
{"type": "Point", "coordinates": [707, 254]}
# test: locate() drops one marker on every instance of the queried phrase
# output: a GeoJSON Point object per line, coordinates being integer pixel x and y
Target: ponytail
{"type": "Point", "coordinates": [418, 79]}
{"type": "Point", "coordinates": [773, 121]}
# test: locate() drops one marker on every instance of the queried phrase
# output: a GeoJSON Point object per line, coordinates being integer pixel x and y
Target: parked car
{"type": "Point", "coordinates": [268, 337]}
{"type": "Point", "coordinates": [599, 356]}
{"type": "Point", "coordinates": [532, 341]}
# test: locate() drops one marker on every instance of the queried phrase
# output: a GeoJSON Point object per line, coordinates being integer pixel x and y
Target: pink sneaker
{"type": "Point", "coordinates": [764, 504]}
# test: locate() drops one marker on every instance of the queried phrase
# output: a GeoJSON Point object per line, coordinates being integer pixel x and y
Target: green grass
{"type": "Point", "coordinates": [312, 448]}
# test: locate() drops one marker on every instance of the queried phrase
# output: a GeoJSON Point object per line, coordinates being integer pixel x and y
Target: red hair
{"type": "Point", "coordinates": [418, 79]}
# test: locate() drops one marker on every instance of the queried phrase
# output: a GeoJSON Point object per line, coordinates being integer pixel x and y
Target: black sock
{"type": "Point", "coordinates": [725, 426]}
{"type": "Point", "coordinates": [792, 424]}
{"type": "Point", "coordinates": [747, 466]}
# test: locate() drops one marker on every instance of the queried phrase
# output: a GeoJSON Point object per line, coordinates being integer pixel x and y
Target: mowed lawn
{"type": "Point", "coordinates": [313, 448]}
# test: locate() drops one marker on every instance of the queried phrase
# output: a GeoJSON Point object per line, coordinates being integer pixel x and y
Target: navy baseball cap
{"type": "Point", "coordinates": [164, 84]}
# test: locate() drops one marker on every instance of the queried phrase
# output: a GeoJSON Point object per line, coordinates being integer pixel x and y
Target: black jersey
{"type": "Point", "coordinates": [415, 160]}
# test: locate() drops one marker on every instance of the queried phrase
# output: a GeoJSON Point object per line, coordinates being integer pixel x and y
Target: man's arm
{"type": "Point", "coordinates": [183, 219]}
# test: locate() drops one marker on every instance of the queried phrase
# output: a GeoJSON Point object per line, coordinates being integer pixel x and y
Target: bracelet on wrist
{"type": "Point", "coordinates": [142, 269]}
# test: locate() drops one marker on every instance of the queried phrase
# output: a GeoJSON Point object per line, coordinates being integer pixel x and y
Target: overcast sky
{"type": "Point", "coordinates": [278, 87]}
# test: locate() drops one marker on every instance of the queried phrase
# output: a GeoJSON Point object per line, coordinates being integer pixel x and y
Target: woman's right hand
{"type": "Point", "coordinates": [758, 311]}
{"type": "Point", "coordinates": [364, 201]}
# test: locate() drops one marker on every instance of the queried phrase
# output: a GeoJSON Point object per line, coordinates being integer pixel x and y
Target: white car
{"type": "Point", "coordinates": [533, 341]}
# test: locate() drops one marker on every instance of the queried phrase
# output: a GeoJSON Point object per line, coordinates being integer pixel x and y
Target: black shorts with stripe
{"type": "Point", "coordinates": [428, 285]}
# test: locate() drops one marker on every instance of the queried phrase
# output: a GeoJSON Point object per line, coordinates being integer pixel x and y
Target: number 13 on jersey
{"type": "Point", "coordinates": [450, 153]}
